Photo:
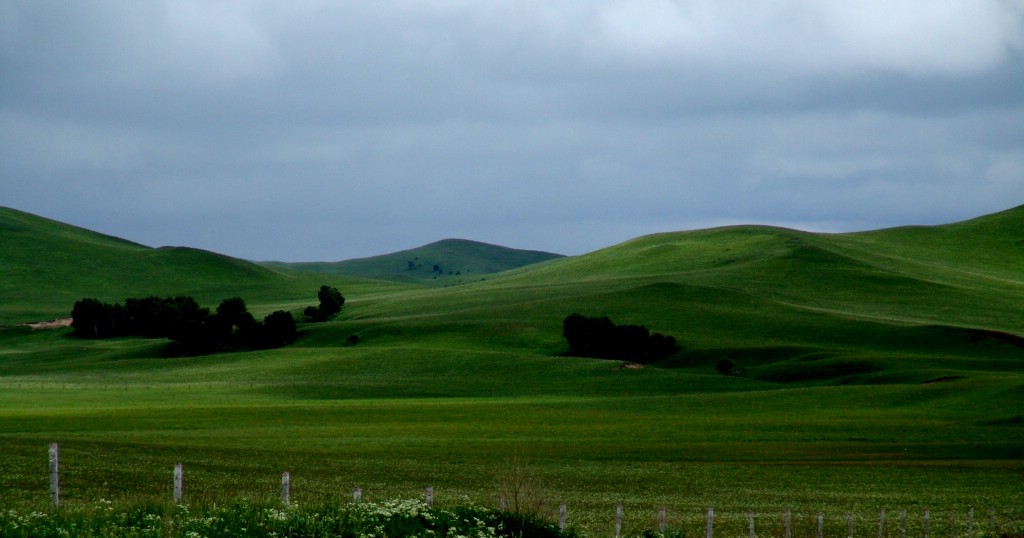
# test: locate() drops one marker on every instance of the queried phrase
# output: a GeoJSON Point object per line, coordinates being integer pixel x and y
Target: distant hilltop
{"type": "Point", "coordinates": [445, 258]}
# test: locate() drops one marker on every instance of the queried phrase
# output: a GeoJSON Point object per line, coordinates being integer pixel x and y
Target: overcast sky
{"type": "Point", "coordinates": [328, 130]}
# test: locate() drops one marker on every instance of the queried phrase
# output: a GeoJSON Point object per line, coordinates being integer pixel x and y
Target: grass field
{"type": "Point", "coordinates": [877, 370]}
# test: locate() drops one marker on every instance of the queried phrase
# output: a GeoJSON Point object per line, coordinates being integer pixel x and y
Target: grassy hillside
{"type": "Point", "coordinates": [448, 260]}
{"type": "Point", "coordinates": [877, 370]}
{"type": "Point", "coordinates": [782, 304]}
{"type": "Point", "coordinates": [47, 266]}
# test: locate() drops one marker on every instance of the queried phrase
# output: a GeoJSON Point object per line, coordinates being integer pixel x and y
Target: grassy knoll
{"type": "Point", "coordinates": [47, 266]}
{"type": "Point", "coordinates": [875, 370]}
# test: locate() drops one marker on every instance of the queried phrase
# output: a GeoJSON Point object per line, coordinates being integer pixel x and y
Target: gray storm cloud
{"type": "Point", "coordinates": [328, 130]}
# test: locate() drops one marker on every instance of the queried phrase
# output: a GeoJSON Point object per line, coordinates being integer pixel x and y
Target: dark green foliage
{"type": "Point", "coordinates": [331, 301]}
{"type": "Point", "coordinates": [94, 319]}
{"type": "Point", "coordinates": [235, 312]}
{"type": "Point", "coordinates": [601, 338]}
{"type": "Point", "coordinates": [155, 317]}
{"type": "Point", "coordinates": [278, 329]}
{"type": "Point", "coordinates": [191, 328]}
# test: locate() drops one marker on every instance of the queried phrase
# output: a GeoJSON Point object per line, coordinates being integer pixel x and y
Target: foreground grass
{"type": "Point", "coordinates": [833, 450]}
{"type": "Point", "coordinates": [456, 410]}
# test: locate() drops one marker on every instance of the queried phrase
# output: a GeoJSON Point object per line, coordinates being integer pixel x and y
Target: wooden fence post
{"type": "Point", "coordinates": [903, 524]}
{"type": "Point", "coordinates": [618, 521]}
{"type": "Point", "coordinates": [991, 520]}
{"type": "Point", "coordinates": [821, 523]}
{"type": "Point", "coordinates": [55, 474]}
{"type": "Point", "coordinates": [286, 488]}
{"type": "Point", "coordinates": [561, 517]}
{"type": "Point", "coordinates": [501, 503]}
{"type": "Point", "coordinates": [709, 526]}
{"type": "Point", "coordinates": [750, 524]}
{"type": "Point", "coordinates": [786, 520]}
{"type": "Point", "coordinates": [430, 495]}
{"type": "Point", "coordinates": [357, 495]}
{"type": "Point", "coordinates": [661, 520]}
{"type": "Point", "coordinates": [926, 517]}
{"type": "Point", "coordinates": [849, 525]}
{"type": "Point", "coordinates": [952, 523]}
{"type": "Point", "coordinates": [970, 522]}
{"type": "Point", "coordinates": [179, 482]}
{"type": "Point", "coordinates": [881, 522]}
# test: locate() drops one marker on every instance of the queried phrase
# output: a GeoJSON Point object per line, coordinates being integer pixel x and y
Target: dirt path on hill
{"type": "Point", "coordinates": [51, 324]}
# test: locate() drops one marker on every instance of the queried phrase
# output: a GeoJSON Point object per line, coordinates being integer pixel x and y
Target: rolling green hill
{"type": "Point", "coordinates": [908, 304]}
{"type": "Point", "coordinates": [443, 259]}
{"type": "Point", "coordinates": [874, 369]}
{"type": "Point", "coordinates": [47, 266]}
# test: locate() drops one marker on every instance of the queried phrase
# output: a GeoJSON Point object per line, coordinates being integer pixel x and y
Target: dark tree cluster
{"type": "Point", "coordinates": [331, 301]}
{"type": "Point", "coordinates": [602, 339]}
{"type": "Point", "coordinates": [192, 329]}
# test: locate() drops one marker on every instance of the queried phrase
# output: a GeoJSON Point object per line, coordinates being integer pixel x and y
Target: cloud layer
{"type": "Point", "coordinates": [329, 130]}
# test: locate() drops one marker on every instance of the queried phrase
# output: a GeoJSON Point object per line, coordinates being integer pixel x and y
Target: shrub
{"type": "Point", "coordinates": [331, 301]}
{"type": "Point", "coordinates": [601, 338]}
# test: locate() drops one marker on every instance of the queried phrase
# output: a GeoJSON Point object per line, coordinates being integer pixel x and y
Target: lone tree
{"type": "Point", "coordinates": [331, 301]}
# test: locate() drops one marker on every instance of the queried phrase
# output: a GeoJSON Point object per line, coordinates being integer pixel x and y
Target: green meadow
{"type": "Point", "coordinates": [874, 370]}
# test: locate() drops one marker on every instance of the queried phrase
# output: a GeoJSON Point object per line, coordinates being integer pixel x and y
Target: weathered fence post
{"type": "Point", "coordinates": [286, 488]}
{"type": "Point", "coordinates": [926, 517]}
{"type": "Point", "coordinates": [55, 474]}
{"type": "Point", "coordinates": [179, 482]}
{"type": "Point", "coordinates": [970, 522]}
{"type": "Point", "coordinates": [501, 503]}
{"type": "Point", "coordinates": [881, 522]}
{"type": "Point", "coordinates": [357, 495]}
{"type": "Point", "coordinates": [849, 525]}
{"type": "Point", "coordinates": [709, 526]}
{"type": "Point", "coordinates": [618, 521]}
{"type": "Point", "coordinates": [821, 523]}
{"type": "Point", "coordinates": [750, 524]}
{"type": "Point", "coordinates": [786, 520]}
{"type": "Point", "coordinates": [561, 517]}
{"type": "Point", "coordinates": [991, 520]}
{"type": "Point", "coordinates": [903, 524]}
{"type": "Point", "coordinates": [430, 495]}
{"type": "Point", "coordinates": [661, 519]}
